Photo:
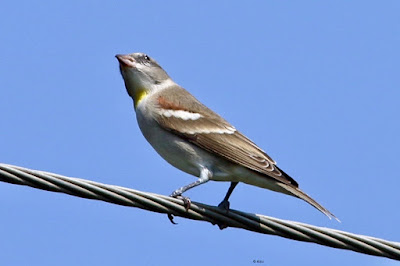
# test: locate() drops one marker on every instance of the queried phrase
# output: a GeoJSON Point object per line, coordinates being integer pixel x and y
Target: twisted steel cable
{"type": "Point", "coordinates": [198, 211]}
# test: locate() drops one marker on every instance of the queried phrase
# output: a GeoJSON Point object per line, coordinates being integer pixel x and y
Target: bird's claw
{"type": "Point", "coordinates": [171, 218]}
{"type": "Point", "coordinates": [224, 205]}
{"type": "Point", "coordinates": [186, 202]}
{"type": "Point", "coordinates": [222, 226]}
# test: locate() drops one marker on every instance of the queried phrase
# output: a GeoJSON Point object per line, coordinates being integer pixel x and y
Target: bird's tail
{"type": "Point", "coordinates": [301, 195]}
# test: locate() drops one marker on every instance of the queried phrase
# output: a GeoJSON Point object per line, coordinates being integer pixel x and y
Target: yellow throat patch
{"type": "Point", "coordinates": [139, 96]}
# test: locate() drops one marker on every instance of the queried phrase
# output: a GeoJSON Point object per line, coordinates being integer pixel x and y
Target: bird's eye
{"type": "Point", "coordinates": [146, 57]}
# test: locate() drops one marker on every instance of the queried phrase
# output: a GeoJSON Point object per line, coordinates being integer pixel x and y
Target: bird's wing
{"type": "Point", "coordinates": [179, 112]}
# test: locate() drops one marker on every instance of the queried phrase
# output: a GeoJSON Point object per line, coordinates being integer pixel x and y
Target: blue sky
{"type": "Point", "coordinates": [315, 84]}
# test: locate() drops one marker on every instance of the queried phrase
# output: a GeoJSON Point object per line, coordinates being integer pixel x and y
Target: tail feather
{"type": "Point", "coordinates": [294, 191]}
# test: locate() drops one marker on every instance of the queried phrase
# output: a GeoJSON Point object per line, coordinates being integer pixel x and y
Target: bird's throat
{"type": "Point", "coordinates": [139, 95]}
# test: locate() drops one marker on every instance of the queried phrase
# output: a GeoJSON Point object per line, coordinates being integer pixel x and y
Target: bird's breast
{"type": "Point", "coordinates": [175, 150]}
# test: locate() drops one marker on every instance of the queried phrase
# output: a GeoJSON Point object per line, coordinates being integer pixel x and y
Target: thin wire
{"type": "Point", "coordinates": [198, 211]}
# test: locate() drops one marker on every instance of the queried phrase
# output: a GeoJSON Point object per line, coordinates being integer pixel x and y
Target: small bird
{"type": "Point", "coordinates": [196, 140]}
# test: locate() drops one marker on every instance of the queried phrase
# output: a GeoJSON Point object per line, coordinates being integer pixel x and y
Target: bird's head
{"type": "Point", "coordinates": [141, 74]}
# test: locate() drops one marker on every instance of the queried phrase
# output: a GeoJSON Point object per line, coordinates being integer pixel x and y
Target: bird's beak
{"type": "Point", "coordinates": [125, 60]}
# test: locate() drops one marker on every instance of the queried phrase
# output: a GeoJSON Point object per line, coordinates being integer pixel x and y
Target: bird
{"type": "Point", "coordinates": [195, 139]}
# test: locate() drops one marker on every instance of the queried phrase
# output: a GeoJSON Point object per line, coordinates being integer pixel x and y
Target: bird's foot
{"type": "Point", "coordinates": [186, 201]}
{"type": "Point", "coordinates": [224, 205]}
{"type": "Point", "coordinates": [222, 226]}
{"type": "Point", "coordinates": [171, 218]}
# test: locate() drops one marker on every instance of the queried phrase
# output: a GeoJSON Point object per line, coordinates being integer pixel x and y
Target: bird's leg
{"type": "Point", "coordinates": [225, 203]}
{"type": "Point", "coordinates": [205, 176]}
